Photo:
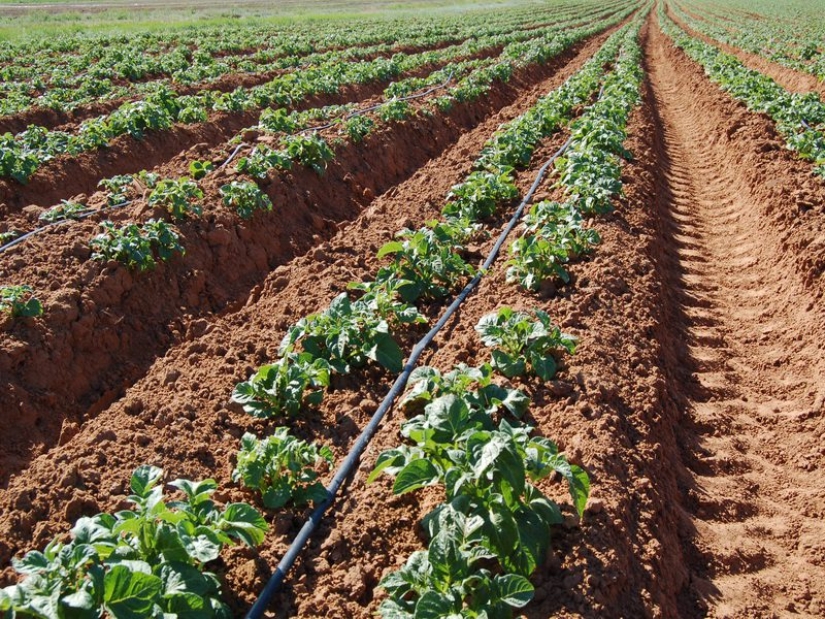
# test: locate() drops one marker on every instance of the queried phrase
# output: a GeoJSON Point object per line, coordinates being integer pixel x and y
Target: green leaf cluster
{"type": "Point", "coordinates": [246, 198]}
{"type": "Point", "coordinates": [145, 562]}
{"type": "Point", "coordinates": [138, 247]}
{"type": "Point", "coordinates": [178, 196]}
{"type": "Point", "coordinates": [19, 301]}
{"type": "Point", "coordinates": [282, 467]}
{"type": "Point", "coordinates": [522, 345]}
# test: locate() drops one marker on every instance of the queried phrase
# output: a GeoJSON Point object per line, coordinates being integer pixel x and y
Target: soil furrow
{"type": "Point", "coordinates": [745, 366]}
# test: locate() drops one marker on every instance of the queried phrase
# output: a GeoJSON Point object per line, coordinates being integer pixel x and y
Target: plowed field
{"type": "Point", "coordinates": [695, 399]}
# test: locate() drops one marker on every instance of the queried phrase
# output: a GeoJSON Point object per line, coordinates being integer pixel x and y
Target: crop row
{"type": "Point", "coordinates": [120, 69]}
{"type": "Point", "coordinates": [22, 155]}
{"type": "Point", "coordinates": [796, 50]}
{"type": "Point", "coordinates": [492, 531]}
{"type": "Point", "coordinates": [800, 119]}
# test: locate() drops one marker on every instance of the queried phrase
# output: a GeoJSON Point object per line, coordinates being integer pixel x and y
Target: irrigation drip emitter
{"type": "Point", "coordinates": [352, 459]}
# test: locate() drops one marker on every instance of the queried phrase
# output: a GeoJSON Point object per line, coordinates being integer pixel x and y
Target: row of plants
{"type": "Point", "coordinates": [789, 45]}
{"type": "Point", "coordinates": [589, 174]}
{"type": "Point", "coordinates": [22, 155]}
{"type": "Point", "coordinates": [121, 68]}
{"type": "Point", "coordinates": [799, 118]}
{"type": "Point", "coordinates": [493, 528]}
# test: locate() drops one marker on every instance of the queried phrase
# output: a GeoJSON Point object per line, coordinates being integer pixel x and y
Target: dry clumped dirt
{"type": "Point", "coordinates": [695, 400]}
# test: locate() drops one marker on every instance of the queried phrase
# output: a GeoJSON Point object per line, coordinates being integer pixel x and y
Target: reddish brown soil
{"type": "Point", "coordinates": [695, 400]}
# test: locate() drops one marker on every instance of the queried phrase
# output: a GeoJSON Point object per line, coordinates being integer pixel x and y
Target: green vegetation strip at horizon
{"type": "Point", "coordinates": [22, 155]}
{"type": "Point", "coordinates": [78, 71]}
{"type": "Point", "coordinates": [800, 119]}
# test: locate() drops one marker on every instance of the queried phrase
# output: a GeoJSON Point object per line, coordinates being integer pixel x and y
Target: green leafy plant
{"type": "Point", "coordinates": [8, 236]}
{"type": "Point", "coordinates": [448, 579]}
{"type": "Point", "coordinates": [395, 111]}
{"type": "Point", "coordinates": [118, 188]}
{"type": "Point", "coordinates": [521, 345]}
{"type": "Point", "coordinates": [199, 169]}
{"type": "Point", "coordinates": [478, 197]}
{"type": "Point", "coordinates": [284, 387]}
{"type": "Point", "coordinates": [486, 473]}
{"type": "Point", "coordinates": [138, 247]}
{"type": "Point", "coordinates": [310, 150]}
{"type": "Point", "coordinates": [426, 263]}
{"type": "Point", "coordinates": [282, 468]}
{"type": "Point", "coordinates": [474, 385]}
{"type": "Point", "coordinates": [145, 562]}
{"type": "Point", "coordinates": [346, 334]}
{"type": "Point", "coordinates": [357, 127]}
{"type": "Point", "coordinates": [63, 211]}
{"type": "Point", "coordinates": [19, 301]}
{"type": "Point", "coordinates": [246, 198]}
{"type": "Point", "coordinates": [262, 159]}
{"type": "Point", "coordinates": [178, 196]}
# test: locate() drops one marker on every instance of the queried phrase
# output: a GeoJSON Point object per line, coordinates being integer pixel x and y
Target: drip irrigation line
{"type": "Point", "coordinates": [352, 459]}
{"type": "Point", "coordinates": [52, 224]}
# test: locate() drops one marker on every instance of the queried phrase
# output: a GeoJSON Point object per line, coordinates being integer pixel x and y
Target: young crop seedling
{"type": "Point", "coordinates": [426, 263]}
{"type": "Point", "coordinates": [145, 562]}
{"type": "Point", "coordinates": [521, 345]}
{"type": "Point", "coordinates": [262, 159]}
{"type": "Point", "coordinates": [138, 247]}
{"type": "Point", "coordinates": [284, 387]}
{"type": "Point", "coordinates": [178, 196]}
{"type": "Point", "coordinates": [199, 169]}
{"type": "Point", "coordinates": [282, 468]}
{"type": "Point", "coordinates": [486, 473]}
{"type": "Point", "coordinates": [63, 211]}
{"type": "Point", "coordinates": [118, 188]}
{"type": "Point", "coordinates": [347, 334]}
{"type": "Point", "coordinates": [19, 301]}
{"type": "Point", "coordinates": [310, 150]}
{"type": "Point", "coordinates": [246, 198]}
{"type": "Point", "coordinates": [448, 579]}
{"type": "Point", "coordinates": [478, 197]}
{"type": "Point", "coordinates": [357, 127]}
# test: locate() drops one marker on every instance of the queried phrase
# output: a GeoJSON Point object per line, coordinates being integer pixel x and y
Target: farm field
{"type": "Point", "coordinates": [220, 246]}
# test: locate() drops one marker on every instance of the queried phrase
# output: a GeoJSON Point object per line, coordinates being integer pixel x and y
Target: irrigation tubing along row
{"type": "Point", "coordinates": [235, 152]}
{"type": "Point", "coordinates": [352, 459]}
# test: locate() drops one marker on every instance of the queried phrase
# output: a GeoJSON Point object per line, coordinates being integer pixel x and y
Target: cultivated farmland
{"type": "Point", "coordinates": [493, 311]}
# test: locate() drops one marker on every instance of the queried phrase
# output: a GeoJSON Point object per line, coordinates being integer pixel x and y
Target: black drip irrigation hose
{"type": "Point", "coordinates": [52, 224]}
{"type": "Point", "coordinates": [352, 459]}
{"type": "Point", "coordinates": [349, 115]}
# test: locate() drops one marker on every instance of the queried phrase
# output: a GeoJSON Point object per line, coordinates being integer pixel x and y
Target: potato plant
{"type": "Point", "coordinates": [246, 198]}
{"type": "Point", "coordinates": [522, 345]}
{"type": "Point", "coordinates": [282, 467]}
{"type": "Point", "coordinates": [19, 302]}
{"type": "Point", "coordinates": [150, 561]}
{"type": "Point", "coordinates": [137, 247]}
